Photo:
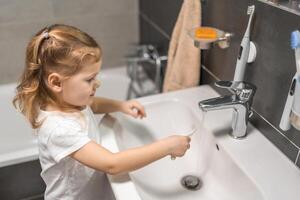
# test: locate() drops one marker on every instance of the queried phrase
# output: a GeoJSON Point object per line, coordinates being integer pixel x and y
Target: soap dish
{"type": "Point", "coordinates": [222, 39]}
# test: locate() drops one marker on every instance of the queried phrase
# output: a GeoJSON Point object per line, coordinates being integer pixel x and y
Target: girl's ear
{"type": "Point", "coordinates": [54, 82]}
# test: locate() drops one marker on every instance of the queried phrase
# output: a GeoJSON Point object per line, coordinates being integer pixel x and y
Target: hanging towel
{"type": "Point", "coordinates": [183, 68]}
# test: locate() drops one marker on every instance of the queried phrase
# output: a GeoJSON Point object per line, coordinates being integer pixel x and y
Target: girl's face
{"type": "Point", "coordinates": [79, 89]}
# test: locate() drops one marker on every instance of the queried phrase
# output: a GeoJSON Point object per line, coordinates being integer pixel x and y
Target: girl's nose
{"type": "Point", "coordinates": [97, 83]}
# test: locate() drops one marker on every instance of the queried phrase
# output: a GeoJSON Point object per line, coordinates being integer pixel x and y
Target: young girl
{"type": "Point", "coordinates": [56, 95]}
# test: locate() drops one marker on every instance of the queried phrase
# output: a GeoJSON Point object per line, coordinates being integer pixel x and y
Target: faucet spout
{"type": "Point", "coordinates": [217, 103]}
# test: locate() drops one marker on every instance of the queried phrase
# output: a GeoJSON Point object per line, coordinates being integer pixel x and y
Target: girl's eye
{"type": "Point", "coordinates": [90, 80]}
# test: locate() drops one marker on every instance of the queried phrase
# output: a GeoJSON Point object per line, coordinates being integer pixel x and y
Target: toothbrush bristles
{"type": "Point", "coordinates": [250, 9]}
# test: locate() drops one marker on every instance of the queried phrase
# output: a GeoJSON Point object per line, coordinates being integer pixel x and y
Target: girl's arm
{"type": "Point", "coordinates": [99, 158]}
{"type": "Point", "coordinates": [103, 105]}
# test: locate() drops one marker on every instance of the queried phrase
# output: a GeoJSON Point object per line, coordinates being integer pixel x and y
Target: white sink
{"type": "Point", "coordinates": [230, 169]}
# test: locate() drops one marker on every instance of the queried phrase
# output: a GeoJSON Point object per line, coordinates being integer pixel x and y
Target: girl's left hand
{"type": "Point", "coordinates": [133, 108]}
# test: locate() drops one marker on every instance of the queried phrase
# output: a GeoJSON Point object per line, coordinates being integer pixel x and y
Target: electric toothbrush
{"type": "Point", "coordinates": [291, 112]}
{"type": "Point", "coordinates": [243, 56]}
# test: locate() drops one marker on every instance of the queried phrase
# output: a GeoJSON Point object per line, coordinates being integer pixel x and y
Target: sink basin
{"type": "Point", "coordinates": [221, 177]}
{"type": "Point", "coordinates": [227, 168]}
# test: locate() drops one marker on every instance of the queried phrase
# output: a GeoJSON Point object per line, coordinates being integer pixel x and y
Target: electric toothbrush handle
{"type": "Point", "coordinates": [239, 70]}
{"type": "Point", "coordinates": [285, 118]}
{"type": "Point", "coordinates": [242, 60]}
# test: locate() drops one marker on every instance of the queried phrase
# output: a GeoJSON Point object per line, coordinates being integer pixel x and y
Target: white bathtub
{"type": "Point", "coordinates": [17, 140]}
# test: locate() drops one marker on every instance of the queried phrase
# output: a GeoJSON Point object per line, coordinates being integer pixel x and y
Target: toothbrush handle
{"type": "Point", "coordinates": [285, 118]}
{"type": "Point", "coordinates": [242, 60]}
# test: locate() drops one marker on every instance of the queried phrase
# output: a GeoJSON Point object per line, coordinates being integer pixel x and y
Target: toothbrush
{"type": "Point", "coordinates": [285, 118]}
{"type": "Point", "coordinates": [244, 48]}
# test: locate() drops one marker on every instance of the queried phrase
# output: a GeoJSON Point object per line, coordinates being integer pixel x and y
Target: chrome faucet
{"type": "Point", "coordinates": [240, 102]}
{"type": "Point", "coordinates": [135, 69]}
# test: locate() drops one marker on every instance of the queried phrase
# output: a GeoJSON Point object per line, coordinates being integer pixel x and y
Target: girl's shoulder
{"type": "Point", "coordinates": [56, 117]}
{"type": "Point", "coordinates": [56, 122]}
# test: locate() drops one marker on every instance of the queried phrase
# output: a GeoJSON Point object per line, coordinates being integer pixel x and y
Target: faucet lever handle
{"type": "Point", "coordinates": [244, 89]}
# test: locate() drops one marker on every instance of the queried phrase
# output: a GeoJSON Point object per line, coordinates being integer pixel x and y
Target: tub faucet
{"type": "Point", "coordinates": [143, 55]}
{"type": "Point", "coordinates": [240, 101]}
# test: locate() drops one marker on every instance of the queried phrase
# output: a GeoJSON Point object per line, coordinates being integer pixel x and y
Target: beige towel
{"type": "Point", "coordinates": [183, 68]}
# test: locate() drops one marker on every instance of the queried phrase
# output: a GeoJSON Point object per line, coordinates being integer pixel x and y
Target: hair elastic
{"type": "Point", "coordinates": [45, 34]}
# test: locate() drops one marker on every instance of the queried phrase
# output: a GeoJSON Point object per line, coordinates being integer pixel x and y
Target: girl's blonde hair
{"type": "Point", "coordinates": [57, 48]}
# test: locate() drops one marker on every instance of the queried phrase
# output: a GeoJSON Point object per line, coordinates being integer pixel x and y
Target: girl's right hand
{"type": "Point", "coordinates": [178, 145]}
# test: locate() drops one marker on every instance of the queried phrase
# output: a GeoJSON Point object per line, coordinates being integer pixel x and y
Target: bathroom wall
{"type": "Point", "coordinates": [113, 23]}
{"type": "Point", "coordinates": [272, 71]}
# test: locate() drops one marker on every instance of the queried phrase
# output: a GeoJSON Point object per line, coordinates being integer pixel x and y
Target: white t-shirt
{"type": "Point", "coordinates": [60, 135]}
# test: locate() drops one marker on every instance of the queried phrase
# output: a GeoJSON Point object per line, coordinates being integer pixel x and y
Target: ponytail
{"type": "Point", "coordinates": [27, 97]}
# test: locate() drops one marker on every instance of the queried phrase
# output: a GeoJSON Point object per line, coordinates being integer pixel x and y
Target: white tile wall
{"type": "Point", "coordinates": [113, 23]}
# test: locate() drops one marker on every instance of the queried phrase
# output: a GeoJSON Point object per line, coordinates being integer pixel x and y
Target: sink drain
{"type": "Point", "coordinates": [191, 182]}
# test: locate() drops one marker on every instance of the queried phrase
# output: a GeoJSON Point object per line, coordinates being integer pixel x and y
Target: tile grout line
{"type": "Point", "coordinates": [214, 76]}
{"type": "Point", "coordinates": [154, 25]}
{"type": "Point", "coordinates": [276, 129]}
{"type": "Point", "coordinates": [33, 197]}
{"type": "Point", "coordinates": [210, 73]}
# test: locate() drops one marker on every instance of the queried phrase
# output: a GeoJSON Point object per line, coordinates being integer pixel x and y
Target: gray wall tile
{"type": "Point", "coordinates": [67, 8]}
{"type": "Point", "coordinates": [163, 13]}
{"type": "Point", "coordinates": [150, 35]}
{"type": "Point", "coordinates": [24, 11]}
